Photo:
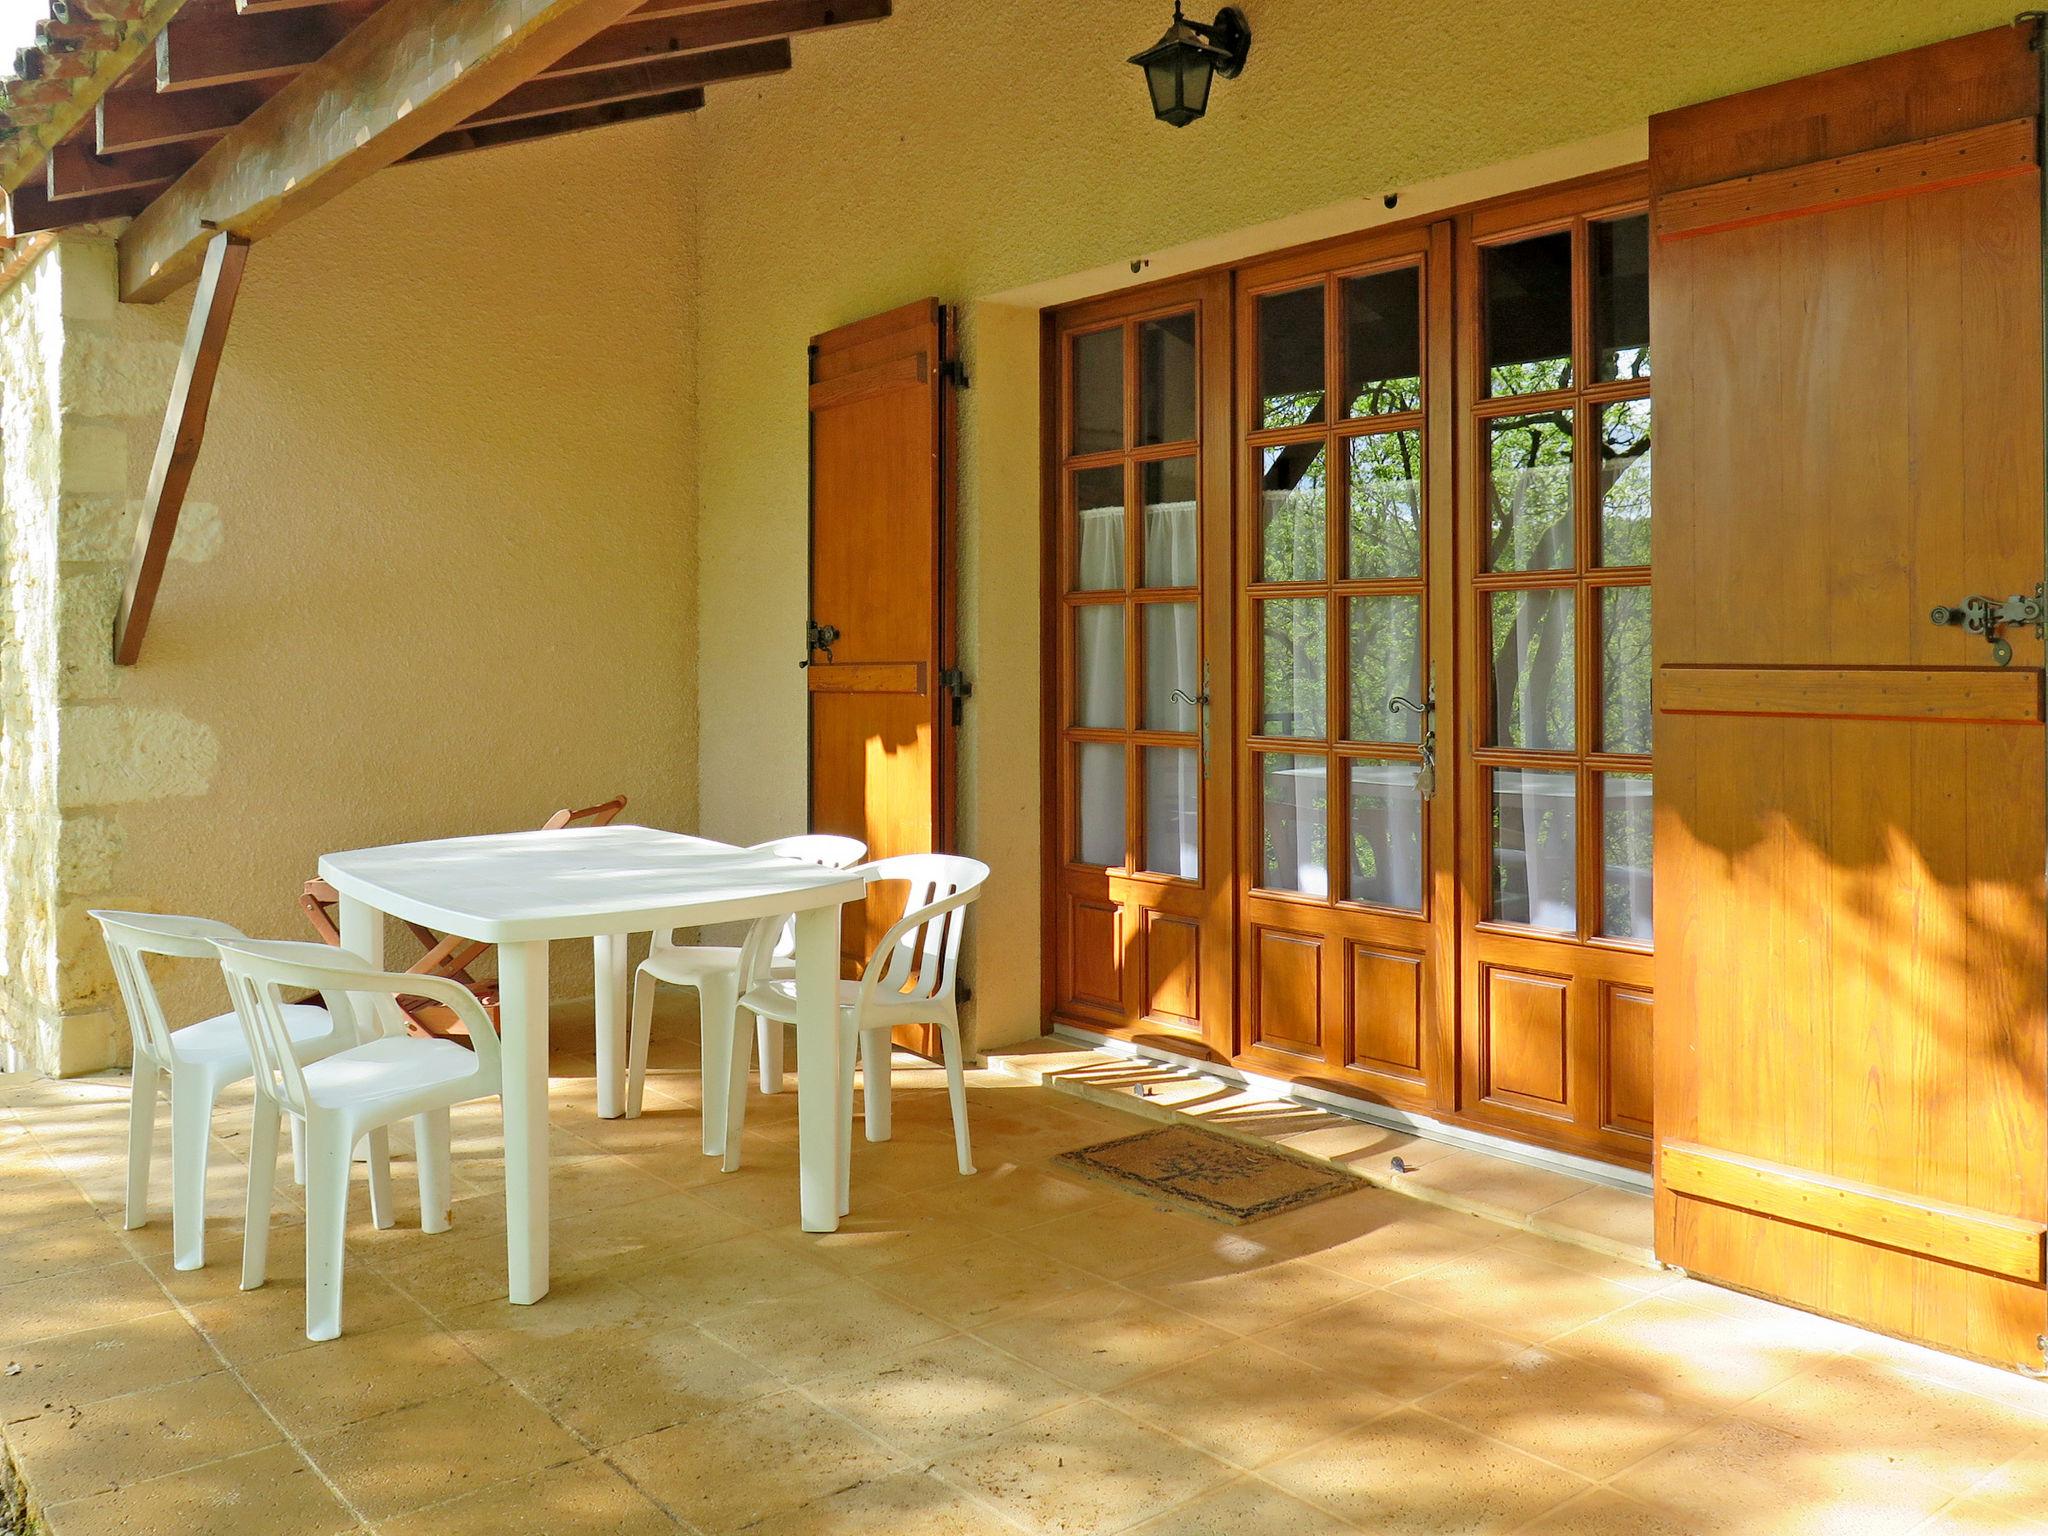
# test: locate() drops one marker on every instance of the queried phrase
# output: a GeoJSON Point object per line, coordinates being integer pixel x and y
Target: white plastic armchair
{"type": "Point", "coordinates": [713, 972]}
{"type": "Point", "coordinates": [909, 979]}
{"type": "Point", "coordinates": [196, 1062]}
{"type": "Point", "coordinates": [344, 1097]}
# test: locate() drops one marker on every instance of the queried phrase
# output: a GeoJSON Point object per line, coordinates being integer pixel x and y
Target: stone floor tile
{"type": "Point", "coordinates": [587, 1495]}
{"type": "Point", "coordinates": [72, 1451]}
{"type": "Point", "coordinates": [934, 1400]}
{"type": "Point", "coordinates": [1676, 1347]}
{"type": "Point", "coordinates": [1516, 1293]}
{"type": "Point", "coordinates": [72, 1369]}
{"type": "Point", "coordinates": [1734, 1475]}
{"type": "Point", "coordinates": [271, 1492]}
{"type": "Point", "coordinates": [1247, 1507]}
{"type": "Point", "coordinates": [1395, 1345]}
{"type": "Point", "coordinates": [1582, 1416]}
{"type": "Point", "coordinates": [1082, 1470]}
{"type": "Point", "coordinates": [1100, 1337]}
{"type": "Point", "coordinates": [1410, 1474]}
{"type": "Point", "coordinates": [1248, 1404]}
{"type": "Point", "coordinates": [443, 1448]}
{"type": "Point", "coordinates": [766, 1458]}
{"type": "Point", "coordinates": [363, 1375]}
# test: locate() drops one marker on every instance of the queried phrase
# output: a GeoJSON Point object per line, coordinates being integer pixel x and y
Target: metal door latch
{"type": "Point", "coordinates": [1989, 617]}
{"type": "Point", "coordinates": [954, 681]}
{"type": "Point", "coordinates": [1198, 701]}
{"type": "Point", "coordinates": [1425, 776]}
{"type": "Point", "coordinates": [818, 637]}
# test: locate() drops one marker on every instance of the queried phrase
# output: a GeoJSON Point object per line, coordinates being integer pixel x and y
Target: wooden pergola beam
{"type": "Point", "coordinates": [704, 27]}
{"type": "Point", "coordinates": [73, 170]}
{"type": "Point", "coordinates": [177, 450]}
{"type": "Point", "coordinates": [410, 73]}
{"type": "Point", "coordinates": [554, 94]}
{"type": "Point", "coordinates": [132, 118]}
{"type": "Point", "coordinates": [520, 130]}
{"type": "Point", "coordinates": [30, 208]}
{"type": "Point", "coordinates": [215, 45]}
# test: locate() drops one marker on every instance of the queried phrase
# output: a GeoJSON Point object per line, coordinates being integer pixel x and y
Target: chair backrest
{"type": "Point", "coordinates": [258, 971]}
{"type": "Point", "coordinates": [824, 849]}
{"type": "Point", "coordinates": [590, 816]}
{"type": "Point", "coordinates": [132, 935]}
{"type": "Point", "coordinates": [919, 957]}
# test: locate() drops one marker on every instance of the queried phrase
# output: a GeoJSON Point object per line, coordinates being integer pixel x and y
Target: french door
{"type": "Point", "coordinates": [1138, 557]}
{"type": "Point", "coordinates": [1422, 591]}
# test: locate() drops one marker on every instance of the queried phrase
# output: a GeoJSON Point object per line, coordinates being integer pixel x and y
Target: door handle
{"type": "Point", "coordinates": [818, 637]}
{"type": "Point", "coordinates": [1198, 701]}
{"type": "Point", "coordinates": [1989, 617]}
{"type": "Point", "coordinates": [1425, 776]}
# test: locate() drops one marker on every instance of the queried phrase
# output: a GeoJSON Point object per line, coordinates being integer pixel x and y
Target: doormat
{"type": "Point", "coordinates": [1210, 1175]}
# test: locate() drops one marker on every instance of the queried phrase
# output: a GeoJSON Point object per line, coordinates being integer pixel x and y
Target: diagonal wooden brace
{"type": "Point", "coordinates": [213, 306]}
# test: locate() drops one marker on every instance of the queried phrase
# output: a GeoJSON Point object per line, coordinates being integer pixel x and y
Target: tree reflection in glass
{"type": "Point", "coordinates": [1529, 492]}
{"type": "Point", "coordinates": [1383, 505]}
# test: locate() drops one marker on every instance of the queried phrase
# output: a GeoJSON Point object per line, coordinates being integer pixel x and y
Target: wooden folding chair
{"type": "Point", "coordinates": [449, 957]}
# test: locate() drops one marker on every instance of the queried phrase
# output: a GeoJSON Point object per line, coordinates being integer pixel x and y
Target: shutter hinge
{"type": "Point", "coordinates": [953, 372]}
{"type": "Point", "coordinates": [954, 681]}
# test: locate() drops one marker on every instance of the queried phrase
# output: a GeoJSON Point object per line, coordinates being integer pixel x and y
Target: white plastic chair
{"type": "Point", "coordinates": [199, 1060]}
{"type": "Point", "coordinates": [908, 980]}
{"type": "Point", "coordinates": [342, 1098]}
{"type": "Point", "coordinates": [714, 972]}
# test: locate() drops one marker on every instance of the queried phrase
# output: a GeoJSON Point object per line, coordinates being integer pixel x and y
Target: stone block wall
{"type": "Point", "coordinates": [73, 390]}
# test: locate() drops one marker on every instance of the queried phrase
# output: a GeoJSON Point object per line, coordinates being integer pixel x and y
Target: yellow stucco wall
{"type": "Point", "coordinates": [437, 573]}
{"type": "Point", "coordinates": [1001, 158]}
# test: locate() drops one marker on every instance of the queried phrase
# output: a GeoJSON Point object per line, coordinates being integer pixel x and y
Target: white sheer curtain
{"type": "Point", "coordinates": [1099, 685]}
{"type": "Point", "coordinates": [1173, 652]}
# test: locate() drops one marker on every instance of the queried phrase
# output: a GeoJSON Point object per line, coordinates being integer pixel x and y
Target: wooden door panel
{"type": "Point", "coordinates": [1287, 971]}
{"type": "Point", "coordinates": [1852, 1012]}
{"type": "Point", "coordinates": [1092, 943]}
{"type": "Point", "coordinates": [1526, 1041]}
{"type": "Point", "coordinates": [1173, 968]}
{"type": "Point", "coordinates": [1627, 1038]}
{"type": "Point", "coordinates": [880, 750]}
{"type": "Point", "coordinates": [1387, 1011]}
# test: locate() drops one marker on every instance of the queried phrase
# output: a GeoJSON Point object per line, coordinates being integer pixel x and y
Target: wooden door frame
{"type": "Point", "coordinates": [1209, 294]}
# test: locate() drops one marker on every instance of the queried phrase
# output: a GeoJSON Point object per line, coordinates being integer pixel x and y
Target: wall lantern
{"type": "Point", "coordinates": [1178, 68]}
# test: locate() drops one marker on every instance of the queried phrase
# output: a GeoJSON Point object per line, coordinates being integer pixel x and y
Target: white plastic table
{"type": "Point", "coordinates": [519, 890]}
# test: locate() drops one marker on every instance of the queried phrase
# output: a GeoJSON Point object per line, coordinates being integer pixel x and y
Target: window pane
{"type": "Point", "coordinates": [1529, 315]}
{"type": "Point", "coordinates": [1294, 653]}
{"type": "Point", "coordinates": [1166, 380]}
{"type": "Point", "coordinates": [1100, 766]}
{"type": "Point", "coordinates": [1098, 391]}
{"type": "Point", "coordinates": [1386, 835]}
{"type": "Point", "coordinates": [1621, 298]}
{"type": "Point", "coordinates": [1383, 500]}
{"type": "Point", "coordinates": [1535, 838]}
{"type": "Point", "coordinates": [1173, 649]}
{"type": "Point", "coordinates": [1292, 505]}
{"type": "Point", "coordinates": [1625, 669]}
{"type": "Point", "coordinates": [1099, 666]}
{"type": "Point", "coordinates": [1294, 795]}
{"type": "Point", "coordinates": [1383, 342]}
{"type": "Point", "coordinates": [1625, 483]}
{"type": "Point", "coordinates": [1626, 830]}
{"type": "Point", "coordinates": [1534, 678]}
{"type": "Point", "coordinates": [1529, 492]}
{"type": "Point", "coordinates": [1099, 546]}
{"type": "Point", "coordinates": [1385, 638]}
{"type": "Point", "coordinates": [1173, 815]}
{"type": "Point", "coordinates": [1172, 523]}
{"type": "Point", "coordinates": [1291, 358]}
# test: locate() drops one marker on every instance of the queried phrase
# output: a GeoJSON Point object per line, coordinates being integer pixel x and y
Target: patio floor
{"type": "Point", "coordinates": [1019, 1351]}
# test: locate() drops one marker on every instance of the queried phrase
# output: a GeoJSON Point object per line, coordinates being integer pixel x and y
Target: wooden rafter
{"type": "Point", "coordinates": [408, 74]}
{"type": "Point", "coordinates": [210, 44]}
{"type": "Point", "coordinates": [73, 170]}
{"type": "Point", "coordinates": [520, 130]}
{"type": "Point", "coordinates": [641, 39]}
{"type": "Point", "coordinates": [563, 93]}
{"type": "Point", "coordinates": [133, 117]}
{"type": "Point", "coordinates": [177, 451]}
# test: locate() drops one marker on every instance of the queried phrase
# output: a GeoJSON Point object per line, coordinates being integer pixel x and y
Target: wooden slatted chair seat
{"type": "Point", "coordinates": [448, 956]}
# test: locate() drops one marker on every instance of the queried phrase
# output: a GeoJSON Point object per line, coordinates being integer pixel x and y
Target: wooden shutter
{"type": "Point", "coordinates": [1850, 825]}
{"type": "Point", "coordinates": [881, 715]}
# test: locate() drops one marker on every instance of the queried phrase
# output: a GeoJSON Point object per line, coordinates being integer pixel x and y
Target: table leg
{"type": "Point", "coordinates": [817, 1066]}
{"type": "Point", "coordinates": [523, 1023]}
{"type": "Point", "coordinates": [608, 952]}
{"type": "Point", "coordinates": [362, 935]}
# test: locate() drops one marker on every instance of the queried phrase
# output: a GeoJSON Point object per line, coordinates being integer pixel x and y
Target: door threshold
{"type": "Point", "coordinates": [1576, 1200]}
